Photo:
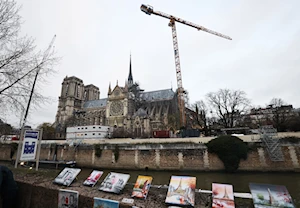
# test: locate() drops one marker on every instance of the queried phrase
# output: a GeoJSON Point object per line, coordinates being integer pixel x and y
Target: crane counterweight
{"type": "Point", "coordinates": [147, 9]}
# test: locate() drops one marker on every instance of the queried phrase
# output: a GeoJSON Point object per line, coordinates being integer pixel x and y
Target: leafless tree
{"type": "Point", "coordinates": [277, 102]}
{"type": "Point", "coordinates": [19, 62]}
{"type": "Point", "coordinates": [228, 105]}
{"type": "Point", "coordinates": [48, 131]}
{"type": "Point", "coordinates": [202, 114]}
{"type": "Point", "coordinates": [280, 114]}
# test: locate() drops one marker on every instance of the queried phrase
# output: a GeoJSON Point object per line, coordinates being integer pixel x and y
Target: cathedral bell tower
{"type": "Point", "coordinates": [71, 98]}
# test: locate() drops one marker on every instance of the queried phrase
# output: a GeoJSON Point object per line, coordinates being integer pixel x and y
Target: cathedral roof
{"type": "Point", "coordinates": [140, 112]}
{"type": "Point", "coordinates": [158, 95]}
{"type": "Point", "coordinates": [95, 103]}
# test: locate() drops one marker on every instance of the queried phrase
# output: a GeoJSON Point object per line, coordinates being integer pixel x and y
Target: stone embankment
{"type": "Point", "coordinates": [163, 156]}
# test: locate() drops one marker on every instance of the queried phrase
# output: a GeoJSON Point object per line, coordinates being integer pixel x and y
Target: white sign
{"type": "Point", "coordinates": [29, 145]}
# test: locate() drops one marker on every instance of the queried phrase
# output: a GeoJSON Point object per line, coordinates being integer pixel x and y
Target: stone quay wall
{"type": "Point", "coordinates": [159, 157]}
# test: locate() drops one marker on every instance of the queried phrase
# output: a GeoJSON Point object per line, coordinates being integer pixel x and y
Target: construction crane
{"type": "Point", "coordinates": [149, 10]}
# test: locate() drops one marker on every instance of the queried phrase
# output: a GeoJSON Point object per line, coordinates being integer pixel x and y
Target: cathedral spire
{"type": "Point", "coordinates": [130, 78]}
{"type": "Point", "coordinates": [109, 89]}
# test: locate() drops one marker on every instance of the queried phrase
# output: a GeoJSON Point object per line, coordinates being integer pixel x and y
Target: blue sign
{"type": "Point", "coordinates": [31, 134]}
{"type": "Point", "coordinates": [29, 145]}
{"type": "Point", "coordinates": [29, 148]}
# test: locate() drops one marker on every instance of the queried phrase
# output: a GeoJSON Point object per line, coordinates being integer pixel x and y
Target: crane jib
{"type": "Point", "coordinates": [181, 102]}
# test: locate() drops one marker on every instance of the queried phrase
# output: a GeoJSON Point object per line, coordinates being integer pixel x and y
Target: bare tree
{"type": "Point", "coordinates": [48, 131]}
{"type": "Point", "coordinates": [277, 102]}
{"type": "Point", "coordinates": [228, 105]}
{"type": "Point", "coordinates": [280, 114]}
{"type": "Point", "coordinates": [5, 128]}
{"type": "Point", "coordinates": [19, 62]}
{"type": "Point", "coordinates": [202, 114]}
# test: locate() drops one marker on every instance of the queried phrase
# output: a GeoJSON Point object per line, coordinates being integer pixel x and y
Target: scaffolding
{"type": "Point", "coordinates": [269, 137]}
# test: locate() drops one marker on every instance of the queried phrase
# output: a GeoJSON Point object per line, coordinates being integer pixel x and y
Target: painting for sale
{"type": "Point", "coordinates": [67, 198]}
{"type": "Point", "coordinates": [266, 195]}
{"type": "Point", "coordinates": [105, 203]}
{"type": "Point", "coordinates": [67, 176]}
{"type": "Point", "coordinates": [142, 186]}
{"type": "Point", "coordinates": [222, 196]}
{"type": "Point", "coordinates": [181, 190]}
{"type": "Point", "coordinates": [114, 182]}
{"type": "Point", "coordinates": [93, 178]}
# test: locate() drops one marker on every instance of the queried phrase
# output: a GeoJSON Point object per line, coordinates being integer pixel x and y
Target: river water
{"type": "Point", "coordinates": [240, 181]}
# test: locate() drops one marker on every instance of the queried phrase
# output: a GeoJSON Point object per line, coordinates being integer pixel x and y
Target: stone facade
{"type": "Point", "coordinates": [128, 108]}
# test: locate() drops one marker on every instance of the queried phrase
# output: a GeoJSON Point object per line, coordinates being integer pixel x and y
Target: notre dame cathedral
{"type": "Point", "coordinates": [125, 107]}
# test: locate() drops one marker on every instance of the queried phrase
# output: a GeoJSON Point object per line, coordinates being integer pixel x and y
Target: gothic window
{"type": "Point", "coordinates": [78, 90]}
{"type": "Point", "coordinates": [67, 88]}
{"type": "Point", "coordinates": [85, 95]}
{"type": "Point", "coordinates": [117, 92]}
{"type": "Point", "coordinates": [116, 108]}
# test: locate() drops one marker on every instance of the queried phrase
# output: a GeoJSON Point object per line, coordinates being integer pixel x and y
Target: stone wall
{"type": "Point", "coordinates": [163, 157]}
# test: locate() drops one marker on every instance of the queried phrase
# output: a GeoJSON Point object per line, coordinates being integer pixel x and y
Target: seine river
{"type": "Point", "coordinates": [240, 181]}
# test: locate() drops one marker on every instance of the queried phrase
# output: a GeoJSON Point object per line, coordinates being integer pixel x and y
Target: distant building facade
{"type": "Point", "coordinates": [127, 107]}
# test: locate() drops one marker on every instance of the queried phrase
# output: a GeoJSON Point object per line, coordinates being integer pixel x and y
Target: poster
{"type": "Point", "coordinates": [67, 176]}
{"type": "Point", "coordinates": [67, 198]}
{"type": "Point", "coordinates": [105, 203]}
{"type": "Point", "coordinates": [266, 195]}
{"type": "Point", "coordinates": [142, 186]}
{"type": "Point", "coordinates": [222, 196]}
{"type": "Point", "coordinates": [181, 190]}
{"type": "Point", "coordinates": [114, 182]}
{"type": "Point", "coordinates": [29, 147]}
{"type": "Point", "coordinates": [93, 178]}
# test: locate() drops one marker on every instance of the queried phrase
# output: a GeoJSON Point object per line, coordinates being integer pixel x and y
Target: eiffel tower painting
{"type": "Point", "coordinates": [179, 188]}
{"type": "Point", "coordinates": [271, 198]}
{"type": "Point", "coordinates": [222, 195]}
{"type": "Point", "coordinates": [226, 196]}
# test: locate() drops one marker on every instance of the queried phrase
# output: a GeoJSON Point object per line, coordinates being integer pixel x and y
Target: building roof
{"type": "Point", "coordinates": [147, 96]}
{"type": "Point", "coordinates": [95, 103]}
{"type": "Point", "coordinates": [158, 95]}
{"type": "Point", "coordinates": [140, 112]}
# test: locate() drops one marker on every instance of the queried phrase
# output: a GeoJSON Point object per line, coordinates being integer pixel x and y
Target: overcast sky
{"type": "Point", "coordinates": [94, 39]}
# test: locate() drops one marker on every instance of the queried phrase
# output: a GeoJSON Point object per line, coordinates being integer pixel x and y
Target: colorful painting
{"type": "Point", "coordinates": [105, 203]}
{"type": "Point", "coordinates": [93, 178]}
{"type": "Point", "coordinates": [222, 196]}
{"type": "Point", "coordinates": [67, 198]}
{"type": "Point", "coordinates": [114, 182]}
{"type": "Point", "coordinates": [142, 186]}
{"type": "Point", "coordinates": [181, 190]}
{"type": "Point", "coordinates": [266, 195]}
{"type": "Point", "coordinates": [67, 176]}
